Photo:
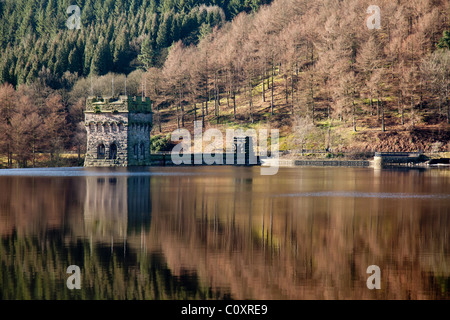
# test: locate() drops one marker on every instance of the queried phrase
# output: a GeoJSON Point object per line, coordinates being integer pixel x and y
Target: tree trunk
{"type": "Point", "coordinates": [286, 91]}
{"type": "Point", "coordinates": [263, 87]}
{"type": "Point", "coordinates": [215, 94]}
{"type": "Point", "coordinates": [403, 116]}
{"type": "Point", "coordinates": [353, 114]}
{"type": "Point", "coordinates": [448, 111]}
{"type": "Point", "coordinates": [448, 105]}
{"type": "Point", "coordinates": [182, 111]}
{"type": "Point", "coordinates": [9, 156]}
{"type": "Point", "coordinates": [34, 155]}
{"type": "Point", "coordinates": [178, 117]}
{"type": "Point", "coordinates": [271, 95]}
{"type": "Point", "coordinates": [312, 98]}
{"type": "Point", "coordinates": [401, 109]}
{"type": "Point", "coordinates": [292, 91]}
{"type": "Point", "coordinates": [217, 98]}
{"type": "Point", "coordinates": [203, 114]}
{"type": "Point", "coordinates": [206, 94]}
{"type": "Point", "coordinates": [216, 102]}
{"type": "Point", "coordinates": [218, 94]}
{"type": "Point", "coordinates": [250, 101]}
{"type": "Point", "coordinates": [234, 104]}
{"type": "Point", "coordinates": [421, 95]}
{"type": "Point", "coordinates": [378, 108]}
{"type": "Point", "coordinates": [195, 111]}
{"type": "Point", "coordinates": [382, 121]}
{"type": "Point", "coordinates": [371, 105]}
{"type": "Point", "coordinates": [159, 120]}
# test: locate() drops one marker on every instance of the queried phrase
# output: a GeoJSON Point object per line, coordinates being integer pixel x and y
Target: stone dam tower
{"type": "Point", "coordinates": [118, 131]}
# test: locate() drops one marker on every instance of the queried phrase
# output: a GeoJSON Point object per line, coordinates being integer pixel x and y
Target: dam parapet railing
{"type": "Point", "coordinates": [379, 160]}
{"type": "Point", "coordinates": [165, 159]}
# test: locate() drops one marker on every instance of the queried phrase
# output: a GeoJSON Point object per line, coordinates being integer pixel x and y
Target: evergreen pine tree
{"type": "Point", "coordinates": [101, 61]}
{"type": "Point", "coordinates": [163, 38]}
{"type": "Point", "coordinates": [444, 42]}
{"type": "Point", "coordinates": [121, 52]}
{"type": "Point", "coordinates": [147, 55]}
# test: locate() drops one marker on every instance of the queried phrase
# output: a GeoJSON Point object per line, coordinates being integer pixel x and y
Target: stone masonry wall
{"type": "Point", "coordinates": [139, 145]}
{"type": "Point", "coordinates": [107, 129]}
{"type": "Point", "coordinates": [125, 123]}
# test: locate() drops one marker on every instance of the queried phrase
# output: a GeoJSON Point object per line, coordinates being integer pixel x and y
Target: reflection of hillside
{"type": "Point", "coordinates": [261, 247]}
{"type": "Point", "coordinates": [230, 232]}
{"type": "Point", "coordinates": [34, 269]}
{"type": "Point", "coordinates": [36, 248]}
{"type": "Point", "coordinates": [102, 209]}
{"type": "Point", "coordinates": [31, 205]}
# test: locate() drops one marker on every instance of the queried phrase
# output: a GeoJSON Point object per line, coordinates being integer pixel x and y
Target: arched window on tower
{"type": "Point", "coordinates": [101, 151]}
{"type": "Point", "coordinates": [142, 150]}
{"type": "Point", "coordinates": [113, 151]}
{"type": "Point", "coordinates": [136, 151]}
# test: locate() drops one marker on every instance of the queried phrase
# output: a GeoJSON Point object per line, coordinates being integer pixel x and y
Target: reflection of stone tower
{"type": "Point", "coordinates": [139, 204]}
{"type": "Point", "coordinates": [105, 207]}
{"type": "Point", "coordinates": [118, 131]}
{"type": "Point", "coordinates": [116, 207]}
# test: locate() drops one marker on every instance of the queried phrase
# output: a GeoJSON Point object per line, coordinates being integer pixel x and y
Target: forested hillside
{"type": "Point", "coordinates": [313, 69]}
{"type": "Point", "coordinates": [41, 59]}
{"type": "Point", "coordinates": [115, 35]}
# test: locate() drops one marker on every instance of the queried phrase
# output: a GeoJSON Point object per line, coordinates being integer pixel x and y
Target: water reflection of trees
{"type": "Point", "coordinates": [264, 247]}
{"type": "Point", "coordinates": [216, 236]}
{"type": "Point", "coordinates": [35, 269]}
{"type": "Point", "coordinates": [101, 224]}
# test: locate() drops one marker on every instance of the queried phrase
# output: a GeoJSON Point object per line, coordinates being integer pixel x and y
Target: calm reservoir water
{"type": "Point", "coordinates": [224, 232]}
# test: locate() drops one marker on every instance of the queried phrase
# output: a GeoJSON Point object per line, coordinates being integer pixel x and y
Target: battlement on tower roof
{"type": "Point", "coordinates": [118, 104]}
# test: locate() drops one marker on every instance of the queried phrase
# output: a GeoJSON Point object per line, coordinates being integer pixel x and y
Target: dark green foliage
{"type": "Point", "coordinates": [444, 42]}
{"type": "Point", "coordinates": [148, 53]}
{"type": "Point", "coordinates": [34, 35]}
{"type": "Point", "coordinates": [122, 54]}
{"type": "Point", "coordinates": [101, 60]}
{"type": "Point", "coordinates": [25, 261]}
{"type": "Point", "coordinates": [160, 143]}
{"type": "Point", "coordinates": [236, 6]}
{"type": "Point", "coordinates": [164, 33]}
